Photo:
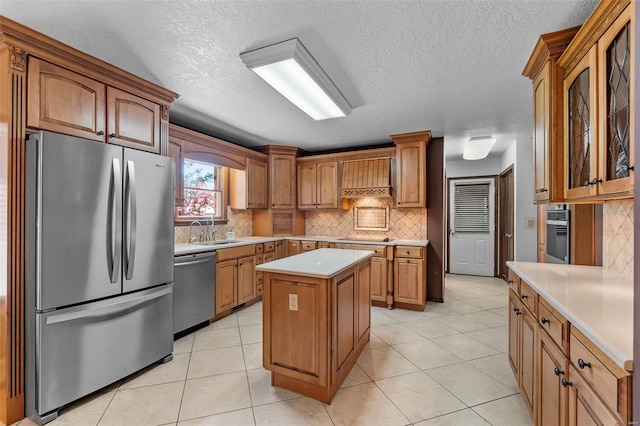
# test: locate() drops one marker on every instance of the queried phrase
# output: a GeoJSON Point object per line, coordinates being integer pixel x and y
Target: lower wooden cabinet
{"type": "Point", "coordinates": [235, 277]}
{"type": "Point", "coordinates": [379, 278]}
{"type": "Point", "coordinates": [585, 408]}
{"type": "Point", "coordinates": [409, 277]}
{"type": "Point", "coordinates": [226, 285]}
{"type": "Point", "coordinates": [246, 279]}
{"type": "Point", "coordinates": [527, 370]}
{"type": "Point", "coordinates": [551, 407]}
{"type": "Point", "coordinates": [292, 247]}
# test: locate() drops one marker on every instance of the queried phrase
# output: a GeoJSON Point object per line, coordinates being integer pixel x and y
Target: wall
{"type": "Point", "coordinates": [464, 168]}
{"type": "Point", "coordinates": [403, 223]}
{"type": "Point", "coordinates": [617, 236]}
{"type": "Point", "coordinates": [240, 221]}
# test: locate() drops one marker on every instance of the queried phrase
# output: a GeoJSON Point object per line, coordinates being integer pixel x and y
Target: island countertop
{"type": "Point", "coordinates": [595, 300]}
{"type": "Point", "coordinates": [321, 263]}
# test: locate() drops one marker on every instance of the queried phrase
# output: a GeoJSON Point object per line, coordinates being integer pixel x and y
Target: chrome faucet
{"type": "Point", "coordinates": [213, 235]}
{"type": "Point", "coordinates": [199, 238]}
{"type": "Point", "coordinates": [209, 222]}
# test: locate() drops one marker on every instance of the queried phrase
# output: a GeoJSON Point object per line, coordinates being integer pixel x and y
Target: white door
{"type": "Point", "coordinates": [472, 226]}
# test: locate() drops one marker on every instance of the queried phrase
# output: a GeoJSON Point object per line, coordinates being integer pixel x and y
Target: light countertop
{"type": "Point", "coordinates": [181, 249]}
{"type": "Point", "coordinates": [321, 263]}
{"type": "Point", "coordinates": [597, 301]}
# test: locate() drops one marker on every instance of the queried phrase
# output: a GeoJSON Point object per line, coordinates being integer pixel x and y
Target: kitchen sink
{"type": "Point", "coordinates": [218, 243]}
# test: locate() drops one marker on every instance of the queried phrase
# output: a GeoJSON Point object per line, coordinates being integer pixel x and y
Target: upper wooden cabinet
{"type": "Point", "coordinates": [318, 185]}
{"type": "Point", "coordinates": [598, 105]}
{"type": "Point", "coordinates": [282, 175]}
{"type": "Point", "coordinates": [249, 186]}
{"type": "Point", "coordinates": [548, 159]}
{"type": "Point", "coordinates": [67, 102]}
{"type": "Point", "coordinates": [411, 163]}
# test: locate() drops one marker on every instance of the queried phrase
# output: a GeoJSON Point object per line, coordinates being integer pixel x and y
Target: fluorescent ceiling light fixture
{"type": "Point", "coordinates": [290, 69]}
{"type": "Point", "coordinates": [478, 148]}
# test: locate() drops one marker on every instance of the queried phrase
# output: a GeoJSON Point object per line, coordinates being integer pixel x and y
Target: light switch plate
{"type": "Point", "coordinates": [293, 302]}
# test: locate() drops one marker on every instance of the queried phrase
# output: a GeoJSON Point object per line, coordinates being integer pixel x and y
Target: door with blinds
{"type": "Point", "coordinates": [472, 227]}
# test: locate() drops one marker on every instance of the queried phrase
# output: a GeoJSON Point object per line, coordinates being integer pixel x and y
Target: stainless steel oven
{"type": "Point", "coordinates": [558, 234]}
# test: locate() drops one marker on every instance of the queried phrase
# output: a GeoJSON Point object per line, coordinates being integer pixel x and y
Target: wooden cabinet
{"type": "Point", "coordinates": [552, 404]}
{"type": "Point", "coordinates": [283, 181]}
{"type": "Point", "coordinates": [409, 277]}
{"type": "Point", "coordinates": [293, 247]}
{"type": "Point", "coordinates": [279, 250]}
{"type": "Point", "coordinates": [515, 311]}
{"type": "Point", "coordinates": [235, 277]}
{"type": "Point", "coordinates": [542, 233]}
{"type": "Point", "coordinates": [249, 187]}
{"type": "Point", "coordinates": [175, 152]}
{"type": "Point", "coordinates": [315, 328]}
{"type": "Point", "coordinates": [411, 177]}
{"type": "Point", "coordinates": [379, 269]}
{"type": "Point", "coordinates": [276, 223]}
{"type": "Point", "coordinates": [527, 370]}
{"type": "Point", "coordinates": [598, 105]}
{"type": "Point", "coordinates": [318, 185]}
{"type": "Point", "coordinates": [308, 245]}
{"type": "Point", "coordinates": [547, 77]}
{"type": "Point", "coordinates": [585, 408]}
{"type": "Point", "coordinates": [67, 102]}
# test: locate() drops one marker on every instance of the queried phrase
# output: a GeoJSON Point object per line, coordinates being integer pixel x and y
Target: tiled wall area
{"type": "Point", "coordinates": [240, 221]}
{"type": "Point", "coordinates": [403, 223]}
{"type": "Point", "coordinates": [617, 236]}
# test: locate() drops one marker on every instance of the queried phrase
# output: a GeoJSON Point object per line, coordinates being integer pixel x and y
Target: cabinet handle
{"type": "Point", "coordinates": [112, 135]}
{"type": "Point", "coordinates": [100, 133]}
{"type": "Point", "coordinates": [408, 261]}
{"type": "Point", "coordinates": [557, 371]}
{"type": "Point", "coordinates": [517, 311]}
{"type": "Point", "coordinates": [544, 321]}
{"type": "Point", "coordinates": [510, 282]}
{"type": "Point", "coordinates": [583, 364]}
{"type": "Point", "coordinates": [624, 168]}
{"type": "Point", "coordinates": [523, 296]}
{"type": "Point", "coordinates": [565, 383]}
{"type": "Point", "coordinates": [539, 190]}
{"type": "Point", "coordinates": [592, 182]}
{"type": "Point", "coordinates": [407, 252]}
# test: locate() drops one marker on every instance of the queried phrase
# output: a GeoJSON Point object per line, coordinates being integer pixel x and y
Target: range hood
{"type": "Point", "coordinates": [366, 178]}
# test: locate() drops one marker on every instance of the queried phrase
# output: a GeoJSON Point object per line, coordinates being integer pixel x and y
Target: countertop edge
{"type": "Point", "coordinates": [265, 268]}
{"type": "Point", "coordinates": [620, 359]}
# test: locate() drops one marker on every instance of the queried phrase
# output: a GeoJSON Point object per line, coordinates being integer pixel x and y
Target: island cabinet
{"type": "Point", "coordinates": [68, 102]}
{"type": "Point", "coordinates": [565, 378]}
{"type": "Point", "coordinates": [317, 185]}
{"type": "Point", "coordinates": [235, 277]}
{"type": "Point", "coordinates": [598, 105]}
{"type": "Point", "coordinates": [316, 321]}
{"type": "Point", "coordinates": [409, 278]}
{"type": "Point", "coordinates": [411, 166]}
{"type": "Point", "coordinates": [548, 154]}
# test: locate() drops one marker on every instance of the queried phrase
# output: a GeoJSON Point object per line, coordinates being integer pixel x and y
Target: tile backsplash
{"type": "Point", "coordinates": [617, 236]}
{"type": "Point", "coordinates": [403, 223]}
{"type": "Point", "coordinates": [240, 221]}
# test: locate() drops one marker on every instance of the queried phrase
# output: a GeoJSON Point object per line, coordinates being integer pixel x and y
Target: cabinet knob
{"type": "Point", "coordinates": [100, 133]}
{"type": "Point", "coordinates": [523, 296]}
{"type": "Point", "coordinates": [544, 321]}
{"type": "Point", "coordinates": [408, 261]}
{"type": "Point", "coordinates": [566, 383]}
{"type": "Point", "coordinates": [517, 311]}
{"type": "Point", "coordinates": [557, 371]}
{"type": "Point", "coordinates": [583, 364]}
{"type": "Point", "coordinates": [112, 135]}
{"type": "Point", "coordinates": [625, 168]}
{"type": "Point", "coordinates": [510, 282]}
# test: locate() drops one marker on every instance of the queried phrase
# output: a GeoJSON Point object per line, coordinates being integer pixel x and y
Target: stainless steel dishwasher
{"type": "Point", "coordinates": [194, 290]}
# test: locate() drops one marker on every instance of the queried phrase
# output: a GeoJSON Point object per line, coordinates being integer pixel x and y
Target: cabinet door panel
{"type": "Point", "coordinates": [175, 152]}
{"type": "Point", "coordinates": [283, 182]}
{"type": "Point", "coordinates": [307, 186]}
{"type": "Point", "coordinates": [363, 303]}
{"type": "Point", "coordinates": [134, 122]}
{"type": "Point", "coordinates": [408, 283]}
{"type": "Point", "coordinates": [65, 102]}
{"type": "Point", "coordinates": [345, 317]}
{"type": "Point", "coordinates": [246, 279]}
{"type": "Point", "coordinates": [226, 285]}
{"type": "Point", "coordinates": [515, 310]}
{"type": "Point", "coordinates": [327, 185]}
{"type": "Point", "coordinates": [379, 279]}
{"type": "Point", "coordinates": [551, 408]}
{"type": "Point", "coordinates": [541, 165]}
{"type": "Point", "coordinates": [585, 408]}
{"type": "Point", "coordinates": [411, 160]}
{"type": "Point", "coordinates": [257, 178]}
{"type": "Point", "coordinates": [528, 328]}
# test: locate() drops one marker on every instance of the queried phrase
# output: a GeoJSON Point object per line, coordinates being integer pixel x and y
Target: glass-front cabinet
{"type": "Point", "coordinates": [615, 86]}
{"type": "Point", "coordinates": [581, 150]}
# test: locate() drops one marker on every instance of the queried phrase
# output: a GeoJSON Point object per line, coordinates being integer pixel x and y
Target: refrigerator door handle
{"type": "Point", "coordinates": [111, 308]}
{"type": "Point", "coordinates": [130, 216]}
{"type": "Point", "coordinates": [114, 240]}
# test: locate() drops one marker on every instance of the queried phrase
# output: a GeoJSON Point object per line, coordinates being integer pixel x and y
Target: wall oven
{"type": "Point", "coordinates": [558, 234]}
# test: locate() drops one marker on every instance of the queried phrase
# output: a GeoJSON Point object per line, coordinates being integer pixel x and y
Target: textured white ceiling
{"type": "Point", "coordinates": [453, 67]}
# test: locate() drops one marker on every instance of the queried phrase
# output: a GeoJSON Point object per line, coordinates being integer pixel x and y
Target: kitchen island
{"type": "Point", "coordinates": [316, 318]}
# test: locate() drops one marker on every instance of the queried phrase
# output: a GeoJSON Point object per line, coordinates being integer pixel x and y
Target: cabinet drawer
{"type": "Point", "coordinates": [268, 257]}
{"type": "Point", "coordinates": [514, 281]}
{"type": "Point", "coordinates": [414, 252]}
{"type": "Point", "coordinates": [269, 247]}
{"type": "Point", "coordinates": [235, 252]}
{"type": "Point", "coordinates": [259, 248]}
{"type": "Point", "coordinates": [529, 298]}
{"type": "Point", "coordinates": [259, 259]}
{"type": "Point", "coordinates": [378, 250]}
{"type": "Point", "coordinates": [610, 382]}
{"type": "Point", "coordinates": [554, 324]}
{"type": "Point", "coordinates": [308, 245]}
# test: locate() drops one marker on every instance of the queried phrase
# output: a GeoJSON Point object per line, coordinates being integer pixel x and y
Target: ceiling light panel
{"type": "Point", "coordinates": [291, 70]}
{"type": "Point", "coordinates": [478, 148]}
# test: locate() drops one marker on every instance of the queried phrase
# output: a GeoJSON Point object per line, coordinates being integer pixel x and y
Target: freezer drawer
{"type": "Point", "coordinates": [84, 348]}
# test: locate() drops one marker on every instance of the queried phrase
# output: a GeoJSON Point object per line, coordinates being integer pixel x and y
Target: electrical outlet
{"type": "Point", "coordinates": [529, 223]}
{"type": "Point", "coordinates": [293, 302]}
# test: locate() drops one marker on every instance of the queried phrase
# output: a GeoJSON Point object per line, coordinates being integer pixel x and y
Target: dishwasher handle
{"type": "Point", "coordinates": [194, 259]}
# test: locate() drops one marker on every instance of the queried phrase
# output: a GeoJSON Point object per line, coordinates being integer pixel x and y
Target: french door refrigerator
{"type": "Point", "coordinates": [98, 267]}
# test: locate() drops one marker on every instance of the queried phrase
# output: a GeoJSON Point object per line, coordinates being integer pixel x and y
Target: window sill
{"type": "Point", "coordinates": [203, 221]}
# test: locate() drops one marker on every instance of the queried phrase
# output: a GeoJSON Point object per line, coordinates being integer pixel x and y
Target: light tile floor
{"type": "Point", "coordinates": [444, 366]}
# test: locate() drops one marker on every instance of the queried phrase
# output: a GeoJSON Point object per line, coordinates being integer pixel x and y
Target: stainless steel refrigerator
{"type": "Point", "coordinates": [99, 267]}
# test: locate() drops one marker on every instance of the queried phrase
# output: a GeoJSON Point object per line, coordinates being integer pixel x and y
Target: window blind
{"type": "Point", "coordinates": [471, 209]}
